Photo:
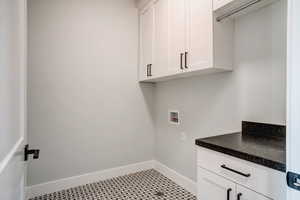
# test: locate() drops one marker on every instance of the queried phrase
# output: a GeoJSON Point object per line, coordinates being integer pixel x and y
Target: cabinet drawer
{"type": "Point", "coordinates": [261, 179]}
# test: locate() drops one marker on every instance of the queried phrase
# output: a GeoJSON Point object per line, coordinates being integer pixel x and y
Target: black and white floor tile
{"type": "Point", "coordinates": [144, 185]}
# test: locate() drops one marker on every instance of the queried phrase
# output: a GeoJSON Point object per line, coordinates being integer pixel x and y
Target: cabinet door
{"type": "Point", "coordinates": [246, 194]}
{"type": "Point", "coordinates": [161, 48]}
{"type": "Point", "coordinates": [177, 33]}
{"type": "Point", "coordinates": [146, 41]}
{"type": "Point", "coordinates": [213, 187]}
{"type": "Point", "coordinates": [199, 34]}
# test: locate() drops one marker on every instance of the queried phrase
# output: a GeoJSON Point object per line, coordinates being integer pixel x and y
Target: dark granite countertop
{"type": "Point", "coordinates": [265, 150]}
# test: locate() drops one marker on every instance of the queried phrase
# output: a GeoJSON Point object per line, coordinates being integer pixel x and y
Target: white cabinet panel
{"type": "Point", "coordinates": [199, 34]}
{"type": "Point", "coordinates": [246, 194]}
{"type": "Point", "coordinates": [161, 37]}
{"type": "Point", "coordinates": [146, 41]}
{"type": "Point", "coordinates": [211, 186]}
{"type": "Point", "coordinates": [177, 18]}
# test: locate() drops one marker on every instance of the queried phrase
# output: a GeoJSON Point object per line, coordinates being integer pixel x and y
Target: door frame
{"type": "Point", "coordinates": [293, 92]}
{"type": "Point", "coordinates": [24, 94]}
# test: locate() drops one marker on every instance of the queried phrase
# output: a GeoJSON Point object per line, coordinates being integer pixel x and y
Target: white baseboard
{"type": "Point", "coordinates": [61, 184]}
{"type": "Point", "coordinates": [179, 179]}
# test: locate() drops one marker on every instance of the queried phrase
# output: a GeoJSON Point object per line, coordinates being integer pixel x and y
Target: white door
{"type": "Point", "coordinates": [199, 34]}
{"type": "Point", "coordinates": [246, 194]}
{"type": "Point", "coordinates": [161, 37]}
{"type": "Point", "coordinates": [177, 33]}
{"type": "Point", "coordinates": [12, 98]}
{"type": "Point", "coordinates": [214, 187]}
{"type": "Point", "coordinates": [293, 88]}
{"type": "Point", "coordinates": [146, 42]}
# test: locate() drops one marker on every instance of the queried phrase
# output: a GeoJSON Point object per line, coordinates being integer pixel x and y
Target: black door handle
{"type": "Point", "coordinates": [228, 193]}
{"type": "Point", "coordinates": [239, 196]}
{"type": "Point", "coordinates": [293, 180]}
{"type": "Point", "coordinates": [181, 61]}
{"type": "Point", "coordinates": [27, 152]}
{"type": "Point", "coordinates": [235, 171]}
{"type": "Point", "coordinates": [185, 60]}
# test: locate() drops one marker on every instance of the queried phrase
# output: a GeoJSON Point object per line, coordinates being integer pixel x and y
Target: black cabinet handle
{"type": "Point", "coordinates": [150, 69]}
{"type": "Point", "coordinates": [228, 193]}
{"type": "Point", "coordinates": [235, 171]}
{"type": "Point", "coordinates": [181, 60]}
{"type": "Point", "coordinates": [185, 60]}
{"type": "Point", "coordinates": [239, 196]}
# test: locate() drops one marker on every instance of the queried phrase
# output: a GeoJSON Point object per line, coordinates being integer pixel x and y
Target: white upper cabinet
{"type": "Point", "coordinates": [146, 43]}
{"type": "Point", "coordinates": [187, 40]}
{"type": "Point", "coordinates": [199, 45]}
{"type": "Point", "coordinates": [177, 27]}
{"type": "Point", "coordinates": [181, 38]}
{"type": "Point", "coordinates": [161, 37]}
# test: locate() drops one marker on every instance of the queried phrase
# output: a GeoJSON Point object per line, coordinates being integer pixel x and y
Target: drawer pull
{"type": "Point", "coordinates": [228, 193]}
{"type": "Point", "coordinates": [235, 171]}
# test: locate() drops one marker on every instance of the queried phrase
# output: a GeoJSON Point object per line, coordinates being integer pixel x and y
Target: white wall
{"type": "Point", "coordinates": [216, 104]}
{"type": "Point", "coordinates": [87, 111]}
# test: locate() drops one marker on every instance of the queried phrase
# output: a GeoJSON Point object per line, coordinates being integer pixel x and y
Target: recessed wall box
{"type": "Point", "coordinates": [174, 117]}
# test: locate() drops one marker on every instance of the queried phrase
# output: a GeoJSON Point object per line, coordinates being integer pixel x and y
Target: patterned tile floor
{"type": "Point", "coordinates": [144, 185]}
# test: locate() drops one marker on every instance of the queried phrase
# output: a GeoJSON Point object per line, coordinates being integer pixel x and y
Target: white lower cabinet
{"type": "Point", "coordinates": [223, 177]}
{"type": "Point", "coordinates": [243, 193]}
{"type": "Point", "coordinates": [215, 187]}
